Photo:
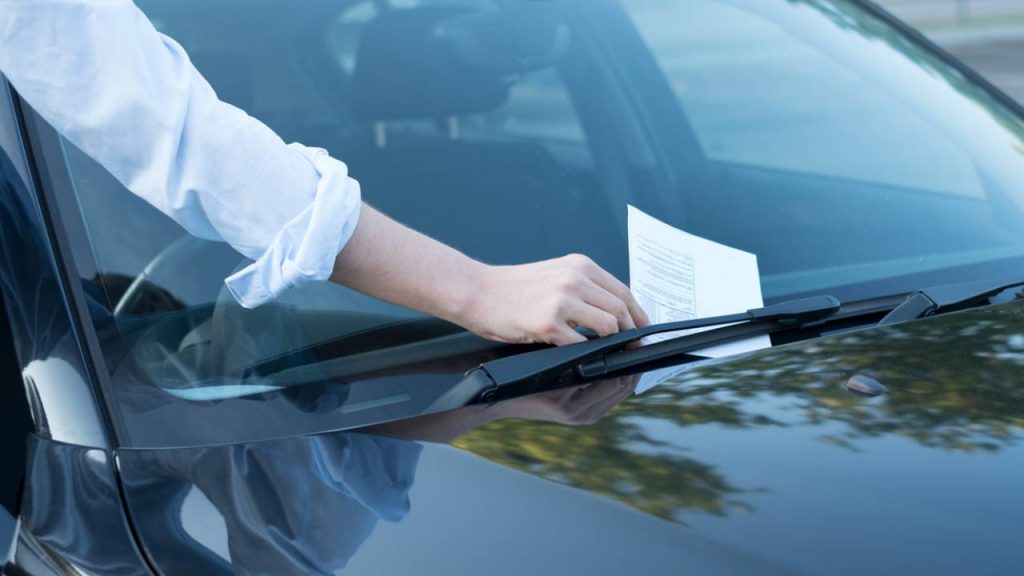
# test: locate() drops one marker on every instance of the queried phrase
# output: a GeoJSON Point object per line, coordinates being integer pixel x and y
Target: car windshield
{"type": "Point", "coordinates": [847, 156]}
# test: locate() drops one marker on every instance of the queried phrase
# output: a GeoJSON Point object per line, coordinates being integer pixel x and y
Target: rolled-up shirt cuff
{"type": "Point", "coordinates": [304, 250]}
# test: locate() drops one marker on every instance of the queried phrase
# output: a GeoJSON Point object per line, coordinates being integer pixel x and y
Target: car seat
{"type": "Point", "coordinates": [497, 198]}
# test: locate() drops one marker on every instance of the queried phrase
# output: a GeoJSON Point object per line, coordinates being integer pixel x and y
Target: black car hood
{"type": "Point", "coordinates": [765, 463]}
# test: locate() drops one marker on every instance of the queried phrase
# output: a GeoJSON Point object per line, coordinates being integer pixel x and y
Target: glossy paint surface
{"type": "Point", "coordinates": [50, 358]}
{"type": "Point", "coordinates": [71, 516]}
{"type": "Point", "coordinates": [760, 464]}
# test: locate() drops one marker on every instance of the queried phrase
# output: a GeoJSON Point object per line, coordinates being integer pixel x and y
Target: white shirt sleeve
{"type": "Point", "coordinates": [128, 96]}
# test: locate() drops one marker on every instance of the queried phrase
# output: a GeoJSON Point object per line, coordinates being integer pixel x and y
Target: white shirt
{"type": "Point", "coordinates": [128, 96]}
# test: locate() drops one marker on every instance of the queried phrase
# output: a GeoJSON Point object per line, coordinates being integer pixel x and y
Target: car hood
{"type": "Point", "coordinates": [765, 463]}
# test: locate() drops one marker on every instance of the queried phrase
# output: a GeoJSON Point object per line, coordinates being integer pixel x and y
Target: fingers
{"type": "Point", "coordinates": [610, 283]}
{"type": "Point", "coordinates": [563, 334]}
{"type": "Point", "coordinates": [588, 316]}
{"type": "Point", "coordinates": [597, 296]}
{"type": "Point", "coordinates": [592, 402]}
{"type": "Point", "coordinates": [600, 409]}
{"type": "Point", "coordinates": [605, 280]}
{"type": "Point", "coordinates": [546, 301]}
{"type": "Point", "coordinates": [592, 298]}
{"type": "Point", "coordinates": [562, 330]}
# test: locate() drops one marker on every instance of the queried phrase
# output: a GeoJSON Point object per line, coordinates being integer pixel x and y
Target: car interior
{"type": "Point", "coordinates": [524, 182]}
{"type": "Point", "coordinates": [431, 140]}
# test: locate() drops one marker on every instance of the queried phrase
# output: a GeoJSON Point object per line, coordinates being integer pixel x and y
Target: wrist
{"type": "Point", "coordinates": [462, 300]}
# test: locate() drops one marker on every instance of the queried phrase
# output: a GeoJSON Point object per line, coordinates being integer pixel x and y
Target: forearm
{"type": "Point", "coordinates": [130, 98]}
{"type": "Point", "coordinates": [536, 302]}
{"type": "Point", "coordinates": [395, 263]}
{"type": "Point", "coordinates": [104, 78]}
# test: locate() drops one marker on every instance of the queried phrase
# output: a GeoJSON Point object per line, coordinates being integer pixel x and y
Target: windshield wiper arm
{"type": "Point", "coordinates": [483, 382]}
{"type": "Point", "coordinates": [946, 298]}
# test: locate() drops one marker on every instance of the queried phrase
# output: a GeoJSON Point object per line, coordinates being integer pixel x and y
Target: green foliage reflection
{"type": "Point", "coordinates": [954, 384]}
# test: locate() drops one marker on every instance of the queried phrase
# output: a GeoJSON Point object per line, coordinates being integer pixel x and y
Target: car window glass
{"type": "Point", "coordinates": [805, 132]}
{"type": "Point", "coordinates": [762, 94]}
{"type": "Point", "coordinates": [539, 107]}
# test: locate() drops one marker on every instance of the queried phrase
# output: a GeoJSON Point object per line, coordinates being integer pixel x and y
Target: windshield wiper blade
{"type": "Point", "coordinates": [481, 384]}
{"type": "Point", "coordinates": [946, 298]}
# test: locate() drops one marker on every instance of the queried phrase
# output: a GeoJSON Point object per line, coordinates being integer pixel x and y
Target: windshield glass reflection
{"type": "Point", "coordinates": [952, 386]}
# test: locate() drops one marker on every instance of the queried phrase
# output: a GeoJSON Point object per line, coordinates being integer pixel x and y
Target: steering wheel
{"type": "Point", "coordinates": [190, 270]}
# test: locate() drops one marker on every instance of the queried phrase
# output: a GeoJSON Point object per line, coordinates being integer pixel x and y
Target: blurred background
{"type": "Point", "coordinates": [986, 34]}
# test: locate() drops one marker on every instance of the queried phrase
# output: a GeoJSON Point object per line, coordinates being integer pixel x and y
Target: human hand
{"type": "Point", "coordinates": [544, 302]}
{"type": "Point", "coordinates": [575, 406]}
{"type": "Point", "coordinates": [539, 302]}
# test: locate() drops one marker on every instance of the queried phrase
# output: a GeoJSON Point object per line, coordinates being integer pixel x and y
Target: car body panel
{"type": "Point", "coordinates": [47, 388]}
{"type": "Point", "coordinates": [72, 521]}
{"type": "Point", "coordinates": [53, 364]}
{"type": "Point", "coordinates": [760, 463]}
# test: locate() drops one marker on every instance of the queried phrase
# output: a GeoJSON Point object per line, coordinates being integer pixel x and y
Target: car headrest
{"type": "Point", "coordinates": [405, 69]}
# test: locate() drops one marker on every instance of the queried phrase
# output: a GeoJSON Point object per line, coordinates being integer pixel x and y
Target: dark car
{"type": "Point", "coordinates": [152, 425]}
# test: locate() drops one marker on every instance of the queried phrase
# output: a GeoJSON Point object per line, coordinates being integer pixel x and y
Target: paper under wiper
{"type": "Point", "coordinates": [675, 276]}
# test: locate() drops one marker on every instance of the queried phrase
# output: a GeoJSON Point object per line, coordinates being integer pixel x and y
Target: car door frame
{"type": "Point", "coordinates": [70, 479]}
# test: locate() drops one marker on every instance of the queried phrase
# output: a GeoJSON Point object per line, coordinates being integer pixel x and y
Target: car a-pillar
{"type": "Point", "coordinates": [15, 427]}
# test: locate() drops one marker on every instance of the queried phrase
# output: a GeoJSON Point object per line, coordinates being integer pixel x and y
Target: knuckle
{"type": "Point", "coordinates": [620, 290]}
{"type": "Point", "coordinates": [578, 261]}
{"type": "Point", "coordinates": [561, 306]}
{"type": "Point", "coordinates": [578, 279]}
{"type": "Point", "coordinates": [549, 328]}
{"type": "Point", "coordinates": [571, 281]}
{"type": "Point", "coordinates": [611, 326]}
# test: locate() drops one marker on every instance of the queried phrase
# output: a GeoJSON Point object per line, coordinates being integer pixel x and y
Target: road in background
{"type": "Point", "coordinates": [1001, 61]}
{"type": "Point", "coordinates": [986, 34]}
{"type": "Point", "coordinates": [937, 14]}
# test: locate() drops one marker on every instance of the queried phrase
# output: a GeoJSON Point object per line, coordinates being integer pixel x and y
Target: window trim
{"type": "Point", "coordinates": [919, 38]}
{"type": "Point", "coordinates": [38, 140]}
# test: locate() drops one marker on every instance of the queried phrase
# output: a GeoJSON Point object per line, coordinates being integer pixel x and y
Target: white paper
{"type": "Point", "coordinates": [678, 276]}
